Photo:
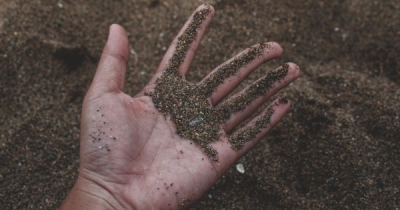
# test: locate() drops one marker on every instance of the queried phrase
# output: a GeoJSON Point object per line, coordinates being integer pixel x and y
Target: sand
{"type": "Point", "coordinates": [336, 149]}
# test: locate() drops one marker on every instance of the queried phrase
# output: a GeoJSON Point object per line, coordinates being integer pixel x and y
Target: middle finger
{"type": "Point", "coordinates": [225, 78]}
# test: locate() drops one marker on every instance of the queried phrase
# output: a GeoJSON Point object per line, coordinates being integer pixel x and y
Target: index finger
{"type": "Point", "coordinates": [183, 48]}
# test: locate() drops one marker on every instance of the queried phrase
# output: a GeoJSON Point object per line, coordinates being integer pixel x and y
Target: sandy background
{"type": "Point", "coordinates": [337, 149]}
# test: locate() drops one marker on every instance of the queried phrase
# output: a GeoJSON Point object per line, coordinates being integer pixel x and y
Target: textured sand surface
{"type": "Point", "coordinates": [338, 148]}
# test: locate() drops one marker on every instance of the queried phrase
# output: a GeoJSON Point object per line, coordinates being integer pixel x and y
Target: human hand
{"type": "Point", "coordinates": [166, 146]}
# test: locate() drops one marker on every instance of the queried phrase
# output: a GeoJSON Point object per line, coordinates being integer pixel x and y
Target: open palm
{"type": "Point", "coordinates": [131, 154]}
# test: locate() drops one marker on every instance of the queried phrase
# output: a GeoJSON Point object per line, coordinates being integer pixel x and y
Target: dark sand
{"type": "Point", "coordinates": [338, 148]}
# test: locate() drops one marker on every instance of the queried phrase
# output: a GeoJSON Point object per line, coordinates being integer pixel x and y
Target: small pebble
{"type": "Point", "coordinates": [240, 168]}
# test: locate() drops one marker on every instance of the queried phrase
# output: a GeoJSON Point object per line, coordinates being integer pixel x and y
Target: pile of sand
{"type": "Point", "coordinates": [337, 148]}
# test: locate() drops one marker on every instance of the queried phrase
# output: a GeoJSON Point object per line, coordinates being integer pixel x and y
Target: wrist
{"type": "Point", "coordinates": [87, 194]}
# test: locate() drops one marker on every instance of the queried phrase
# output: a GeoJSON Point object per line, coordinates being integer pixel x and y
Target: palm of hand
{"type": "Point", "coordinates": [131, 147]}
{"type": "Point", "coordinates": [130, 151]}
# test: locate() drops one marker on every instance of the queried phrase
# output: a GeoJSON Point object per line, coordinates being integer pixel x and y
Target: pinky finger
{"type": "Point", "coordinates": [244, 139]}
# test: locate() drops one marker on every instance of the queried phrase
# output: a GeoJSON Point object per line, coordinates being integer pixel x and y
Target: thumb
{"type": "Point", "coordinates": [110, 73]}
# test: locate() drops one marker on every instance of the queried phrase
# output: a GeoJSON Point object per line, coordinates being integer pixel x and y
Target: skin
{"type": "Point", "coordinates": [130, 155]}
